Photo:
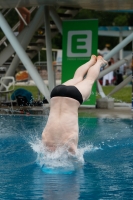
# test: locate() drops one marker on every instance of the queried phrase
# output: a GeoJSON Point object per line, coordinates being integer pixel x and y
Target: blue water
{"type": "Point", "coordinates": [105, 147]}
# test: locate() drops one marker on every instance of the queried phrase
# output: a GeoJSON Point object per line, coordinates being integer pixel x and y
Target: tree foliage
{"type": "Point", "coordinates": [121, 20]}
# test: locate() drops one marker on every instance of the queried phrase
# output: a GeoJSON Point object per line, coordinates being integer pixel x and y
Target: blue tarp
{"type": "Point", "coordinates": [24, 93]}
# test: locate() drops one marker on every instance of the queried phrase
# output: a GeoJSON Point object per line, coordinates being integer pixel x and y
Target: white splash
{"type": "Point", "coordinates": [59, 159]}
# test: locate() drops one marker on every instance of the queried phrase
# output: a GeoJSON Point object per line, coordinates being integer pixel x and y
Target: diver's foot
{"type": "Point", "coordinates": [92, 61]}
{"type": "Point", "coordinates": [101, 61]}
{"type": "Point", "coordinates": [93, 72]}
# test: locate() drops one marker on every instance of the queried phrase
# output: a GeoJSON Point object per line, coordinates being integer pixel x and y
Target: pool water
{"type": "Point", "coordinates": [105, 151]}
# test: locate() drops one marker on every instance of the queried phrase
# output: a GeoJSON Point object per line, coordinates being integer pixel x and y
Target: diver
{"type": "Point", "coordinates": [62, 128]}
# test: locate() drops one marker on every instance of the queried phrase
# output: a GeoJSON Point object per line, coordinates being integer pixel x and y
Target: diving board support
{"type": "Point", "coordinates": [13, 66]}
{"type": "Point", "coordinates": [100, 90]}
{"type": "Point", "coordinates": [24, 58]}
{"type": "Point", "coordinates": [56, 18]}
{"type": "Point", "coordinates": [113, 52]}
{"type": "Point", "coordinates": [119, 47]}
{"type": "Point", "coordinates": [121, 85]}
{"type": "Point", "coordinates": [8, 51]}
{"type": "Point", "coordinates": [109, 69]}
{"type": "Point", "coordinates": [114, 66]}
{"type": "Point", "coordinates": [51, 78]}
{"type": "Point", "coordinates": [121, 51]}
{"type": "Point", "coordinates": [29, 32]}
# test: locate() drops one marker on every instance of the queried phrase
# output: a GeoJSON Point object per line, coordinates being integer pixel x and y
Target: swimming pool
{"type": "Point", "coordinates": [105, 144]}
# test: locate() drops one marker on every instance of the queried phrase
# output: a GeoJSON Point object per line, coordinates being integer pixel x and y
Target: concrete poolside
{"type": "Point", "coordinates": [119, 111]}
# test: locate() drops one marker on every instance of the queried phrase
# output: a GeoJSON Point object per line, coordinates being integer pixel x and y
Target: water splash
{"type": "Point", "coordinates": [59, 161]}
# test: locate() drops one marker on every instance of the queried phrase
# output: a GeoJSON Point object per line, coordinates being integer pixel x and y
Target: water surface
{"type": "Point", "coordinates": [105, 145]}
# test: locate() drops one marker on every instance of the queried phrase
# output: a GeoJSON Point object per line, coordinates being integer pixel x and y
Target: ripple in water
{"type": "Point", "coordinates": [60, 161]}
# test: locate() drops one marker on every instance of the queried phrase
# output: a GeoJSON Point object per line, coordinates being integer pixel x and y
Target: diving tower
{"type": "Point", "coordinates": [20, 44]}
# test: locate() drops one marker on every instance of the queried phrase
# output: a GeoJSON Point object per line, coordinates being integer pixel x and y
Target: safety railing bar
{"type": "Point", "coordinates": [7, 12]}
{"type": "Point", "coordinates": [21, 16]}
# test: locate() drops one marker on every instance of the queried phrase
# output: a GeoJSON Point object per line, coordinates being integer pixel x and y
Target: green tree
{"type": "Point", "coordinates": [121, 20]}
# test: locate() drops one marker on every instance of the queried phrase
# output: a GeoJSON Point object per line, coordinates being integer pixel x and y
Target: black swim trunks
{"type": "Point", "coordinates": [67, 91]}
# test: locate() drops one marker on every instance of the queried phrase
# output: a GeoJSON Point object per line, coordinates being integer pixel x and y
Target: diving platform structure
{"type": "Point", "coordinates": [21, 48]}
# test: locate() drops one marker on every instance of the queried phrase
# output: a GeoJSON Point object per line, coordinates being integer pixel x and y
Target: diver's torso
{"type": "Point", "coordinates": [62, 124]}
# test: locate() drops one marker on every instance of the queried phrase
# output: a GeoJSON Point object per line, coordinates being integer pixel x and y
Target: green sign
{"type": "Point", "coordinates": [79, 43]}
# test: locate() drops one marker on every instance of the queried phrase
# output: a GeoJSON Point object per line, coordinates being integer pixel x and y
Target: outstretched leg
{"type": "Point", "coordinates": [85, 86]}
{"type": "Point", "coordinates": [81, 72]}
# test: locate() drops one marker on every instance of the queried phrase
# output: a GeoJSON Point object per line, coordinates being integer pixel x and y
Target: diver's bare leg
{"type": "Point", "coordinates": [81, 71]}
{"type": "Point", "coordinates": [85, 86]}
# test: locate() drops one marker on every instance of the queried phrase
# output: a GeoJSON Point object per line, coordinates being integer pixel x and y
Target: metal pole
{"type": "Point", "coordinates": [56, 18]}
{"type": "Point", "coordinates": [38, 18]}
{"type": "Point", "coordinates": [7, 12]}
{"type": "Point", "coordinates": [100, 90]}
{"type": "Point", "coordinates": [23, 57]}
{"type": "Point", "coordinates": [119, 47]}
{"type": "Point", "coordinates": [12, 67]}
{"type": "Point", "coordinates": [114, 66]}
{"type": "Point", "coordinates": [28, 32]}
{"type": "Point", "coordinates": [121, 85]}
{"type": "Point", "coordinates": [109, 69]}
{"type": "Point", "coordinates": [21, 16]}
{"type": "Point", "coordinates": [49, 49]}
{"type": "Point", "coordinates": [121, 51]}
